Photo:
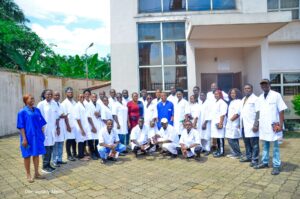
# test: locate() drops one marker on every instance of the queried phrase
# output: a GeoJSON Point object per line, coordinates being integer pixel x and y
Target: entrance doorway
{"type": "Point", "coordinates": [225, 81]}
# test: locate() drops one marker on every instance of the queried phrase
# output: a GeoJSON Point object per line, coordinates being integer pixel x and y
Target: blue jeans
{"type": "Point", "coordinates": [276, 153]}
{"type": "Point", "coordinates": [234, 147]}
{"type": "Point", "coordinates": [57, 152]}
{"type": "Point", "coordinates": [104, 151]}
{"type": "Point", "coordinates": [252, 147]}
{"type": "Point", "coordinates": [124, 139]}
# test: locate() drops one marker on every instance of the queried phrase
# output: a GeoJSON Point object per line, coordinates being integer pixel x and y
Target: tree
{"type": "Point", "coordinates": [296, 103]}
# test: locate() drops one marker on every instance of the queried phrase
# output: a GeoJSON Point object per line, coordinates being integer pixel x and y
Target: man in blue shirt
{"type": "Point", "coordinates": [165, 109]}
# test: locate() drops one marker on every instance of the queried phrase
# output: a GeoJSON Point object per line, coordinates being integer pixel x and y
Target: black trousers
{"type": "Point", "coordinates": [93, 147]}
{"type": "Point", "coordinates": [81, 146]}
{"type": "Point", "coordinates": [221, 145]}
{"type": "Point", "coordinates": [252, 147]}
{"type": "Point", "coordinates": [71, 143]}
{"type": "Point", "coordinates": [47, 156]}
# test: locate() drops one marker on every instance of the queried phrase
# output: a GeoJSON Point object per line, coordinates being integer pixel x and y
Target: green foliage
{"type": "Point", "coordinates": [22, 49]}
{"type": "Point", "coordinates": [296, 103]}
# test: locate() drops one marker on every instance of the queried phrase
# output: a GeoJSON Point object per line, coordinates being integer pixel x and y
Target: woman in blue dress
{"type": "Point", "coordinates": [30, 123]}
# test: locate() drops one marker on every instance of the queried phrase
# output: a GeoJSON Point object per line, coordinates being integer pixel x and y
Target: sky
{"type": "Point", "coordinates": [70, 26]}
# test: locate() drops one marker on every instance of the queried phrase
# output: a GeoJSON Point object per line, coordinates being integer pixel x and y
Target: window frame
{"type": "Point", "coordinates": [282, 84]}
{"type": "Point", "coordinates": [279, 9]}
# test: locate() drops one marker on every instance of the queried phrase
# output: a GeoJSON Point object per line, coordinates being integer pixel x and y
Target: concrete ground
{"type": "Point", "coordinates": [152, 177]}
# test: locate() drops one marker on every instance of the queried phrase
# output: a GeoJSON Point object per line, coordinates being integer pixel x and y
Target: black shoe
{"type": "Point", "coordinates": [112, 159]}
{"type": "Point", "coordinates": [70, 158]}
{"type": "Point", "coordinates": [275, 171]}
{"type": "Point", "coordinates": [51, 167]}
{"type": "Point", "coordinates": [173, 155]}
{"type": "Point", "coordinates": [47, 170]}
{"type": "Point", "coordinates": [218, 155]}
{"type": "Point", "coordinates": [261, 166]}
{"type": "Point", "coordinates": [103, 161]}
{"type": "Point", "coordinates": [122, 154]}
{"type": "Point", "coordinates": [245, 160]}
{"type": "Point", "coordinates": [207, 153]}
{"type": "Point", "coordinates": [61, 162]}
{"type": "Point", "coordinates": [125, 151]}
{"type": "Point", "coordinates": [94, 157]}
{"type": "Point", "coordinates": [55, 165]}
{"type": "Point", "coordinates": [253, 164]}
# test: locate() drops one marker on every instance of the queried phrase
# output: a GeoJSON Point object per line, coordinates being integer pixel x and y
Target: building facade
{"type": "Point", "coordinates": [183, 43]}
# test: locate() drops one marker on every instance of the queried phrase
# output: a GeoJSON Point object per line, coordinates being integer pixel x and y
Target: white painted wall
{"type": "Point", "coordinates": [124, 52]}
{"type": "Point", "coordinates": [288, 33]}
{"type": "Point", "coordinates": [254, 6]}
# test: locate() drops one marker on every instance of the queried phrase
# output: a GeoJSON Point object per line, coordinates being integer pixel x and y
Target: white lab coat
{"type": "Point", "coordinates": [99, 101]}
{"type": "Point", "coordinates": [91, 110]}
{"type": "Point", "coordinates": [143, 101]}
{"type": "Point", "coordinates": [49, 112]}
{"type": "Point", "coordinates": [269, 110]}
{"type": "Point", "coordinates": [169, 134]}
{"type": "Point", "coordinates": [247, 115]}
{"type": "Point", "coordinates": [62, 123]}
{"type": "Point", "coordinates": [205, 115]}
{"type": "Point", "coordinates": [210, 96]}
{"type": "Point", "coordinates": [81, 114]}
{"type": "Point", "coordinates": [155, 101]}
{"type": "Point", "coordinates": [150, 113]}
{"type": "Point", "coordinates": [69, 109]}
{"type": "Point", "coordinates": [121, 111]}
{"type": "Point", "coordinates": [172, 98]}
{"type": "Point", "coordinates": [125, 101]}
{"type": "Point", "coordinates": [112, 101]}
{"type": "Point", "coordinates": [140, 135]}
{"type": "Point", "coordinates": [218, 109]}
{"type": "Point", "coordinates": [106, 113]}
{"type": "Point", "coordinates": [181, 108]}
{"type": "Point", "coordinates": [108, 138]}
{"type": "Point", "coordinates": [190, 138]}
{"type": "Point", "coordinates": [232, 129]}
{"type": "Point", "coordinates": [195, 110]}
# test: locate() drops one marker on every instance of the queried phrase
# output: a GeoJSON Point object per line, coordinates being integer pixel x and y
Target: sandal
{"type": "Point", "coordinates": [30, 180]}
{"type": "Point", "coordinates": [39, 177]}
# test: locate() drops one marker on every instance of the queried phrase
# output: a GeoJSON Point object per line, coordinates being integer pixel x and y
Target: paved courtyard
{"type": "Point", "coordinates": [152, 177]}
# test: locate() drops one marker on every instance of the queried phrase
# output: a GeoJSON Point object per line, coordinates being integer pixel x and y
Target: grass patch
{"type": "Point", "coordinates": [291, 134]}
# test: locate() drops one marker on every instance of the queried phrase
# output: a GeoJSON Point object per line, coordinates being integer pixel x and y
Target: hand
{"type": "Point", "coordinates": [94, 130]}
{"type": "Point", "coordinates": [25, 143]}
{"type": "Point", "coordinates": [152, 124]}
{"type": "Point", "coordinates": [58, 131]}
{"type": "Point", "coordinates": [113, 146]}
{"type": "Point", "coordinates": [195, 126]}
{"type": "Point", "coordinates": [204, 126]}
{"type": "Point", "coordinates": [129, 126]}
{"type": "Point", "coordinates": [83, 132]}
{"type": "Point", "coordinates": [69, 129]}
{"type": "Point", "coordinates": [97, 114]}
{"type": "Point", "coordinates": [255, 129]}
{"type": "Point", "coordinates": [118, 126]}
{"type": "Point", "coordinates": [220, 125]}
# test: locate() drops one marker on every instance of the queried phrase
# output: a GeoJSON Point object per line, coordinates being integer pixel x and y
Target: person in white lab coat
{"type": "Point", "coordinates": [232, 130]}
{"type": "Point", "coordinates": [125, 97]}
{"type": "Point", "coordinates": [150, 115]}
{"type": "Point", "coordinates": [219, 110]}
{"type": "Point", "coordinates": [100, 100]}
{"type": "Point", "coordinates": [195, 110]}
{"type": "Point", "coordinates": [213, 88]}
{"type": "Point", "coordinates": [157, 98]}
{"type": "Point", "coordinates": [109, 143]}
{"type": "Point", "coordinates": [120, 115]}
{"type": "Point", "coordinates": [196, 92]}
{"type": "Point", "coordinates": [94, 118]}
{"type": "Point", "coordinates": [249, 126]}
{"type": "Point", "coordinates": [143, 97]}
{"type": "Point", "coordinates": [190, 141]}
{"type": "Point", "coordinates": [48, 111]}
{"type": "Point", "coordinates": [181, 111]}
{"type": "Point", "coordinates": [172, 97]}
{"type": "Point", "coordinates": [60, 132]}
{"type": "Point", "coordinates": [82, 127]}
{"type": "Point", "coordinates": [205, 124]}
{"type": "Point", "coordinates": [139, 138]}
{"type": "Point", "coordinates": [68, 106]}
{"type": "Point", "coordinates": [271, 116]}
{"type": "Point", "coordinates": [167, 138]}
{"type": "Point", "coordinates": [106, 111]}
{"type": "Point", "coordinates": [112, 99]}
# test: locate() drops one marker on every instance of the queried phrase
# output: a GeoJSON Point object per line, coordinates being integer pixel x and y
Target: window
{"type": "Point", "coordinates": [148, 6]}
{"type": "Point", "coordinates": [285, 83]}
{"type": "Point", "coordinates": [285, 5]}
{"type": "Point", "coordinates": [162, 55]}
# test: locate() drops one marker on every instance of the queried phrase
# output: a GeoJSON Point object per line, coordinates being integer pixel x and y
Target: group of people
{"type": "Point", "coordinates": [104, 127]}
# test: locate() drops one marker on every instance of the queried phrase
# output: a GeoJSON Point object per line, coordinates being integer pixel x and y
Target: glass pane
{"type": "Point", "coordinates": [295, 14]}
{"type": "Point", "coordinates": [174, 53]}
{"type": "Point", "coordinates": [276, 88]}
{"type": "Point", "coordinates": [173, 5]}
{"type": "Point", "coordinates": [289, 3]}
{"type": "Point", "coordinates": [175, 76]}
{"type": "Point", "coordinates": [275, 78]}
{"type": "Point", "coordinates": [149, 54]}
{"type": "Point", "coordinates": [150, 78]}
{"type": "Point", "coordinates": [223, 4]}
{"type": "Point", "coordinates": [273, 4]}
{"type": "Point", "coordinates": [199, 5]}
{"type": "Point", "coordinates": [149, 31]}
{"type": "Point", "coordinates": [173, 31]}
{"type": "Point", "coordinates": [291, 78]}
{"type": "Point", "coordinates": [291, 90]}
{"type": "Point", "coordinates": [149, 6]}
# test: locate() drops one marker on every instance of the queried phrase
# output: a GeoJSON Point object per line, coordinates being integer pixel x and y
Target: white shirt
{"type": "Point", "coordinates": [233, 127]}
{"type": "Point", "coordinates": [169, 134]}
{"type": "Point", "coordinates": [189, 138]}
{"type": "Point", "coordinates": [155, 101]}
{"type": "Point", "coordinates": [205, 115]}
{"type": "Point", "coordinates": [91, 110]}
{"type": "Point", "coordinates": [121, 111]}
{"type": "Point", "coordinates": [211, 96]}
{"type": "Point", "coordinates": [141, 99]}
{"type": "Point", "coordinates": [195, 110]}
{"type": "Point", "coordinates": [140, 135]}
{"type": "Point", "coordinates": [172, 98]}
{"type": "Point", "coordinates": [62, 123]}
{"type": "Point", "coordinates": [106, 112]}
{"type": "Point", "coordinates": [218, 109]}
{"type": "Point", "coordinates": [248, 114]}
{"type": "Point", "coordinates": [150, 112]}
{"type": "Point", "coordinates": [50, 114]}
{"type": "Point", "coordinates": [99, 101]}
{"type": "Point", "coordinates": [112, 101]}
{"type": "Point", "coordinates": [181, 108]}
{"type": "Point", "coordinates": [125, 101]}
{"type": "Point", "coordinates": [269, 109]}
{"type": "Point", "coordinates": [81, 114]}
{"type": "Point", "coordinates": [106, 138]}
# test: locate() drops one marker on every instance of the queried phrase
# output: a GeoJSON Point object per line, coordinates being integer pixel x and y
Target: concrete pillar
{"type": "Point", "coordinates": [264, 59]}
{"type": "Point", "coordinates": [191, 67]}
